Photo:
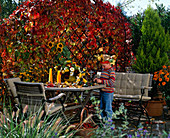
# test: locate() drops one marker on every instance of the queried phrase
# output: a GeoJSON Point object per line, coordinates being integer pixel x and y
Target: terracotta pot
{"type": "Point", "coordinates": [155, 108]}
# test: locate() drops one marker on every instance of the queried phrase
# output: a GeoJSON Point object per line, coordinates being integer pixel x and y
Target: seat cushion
{"type": "Point", "coordinates": [129, 97]}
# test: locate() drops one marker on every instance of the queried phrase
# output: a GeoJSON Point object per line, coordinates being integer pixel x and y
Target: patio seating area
{"type": "Point", "coordinates": [18, 88]}
{"type": "Point", "coordinates": [71, 108]}
{"type": "Point", "coordinates": [61, 61]}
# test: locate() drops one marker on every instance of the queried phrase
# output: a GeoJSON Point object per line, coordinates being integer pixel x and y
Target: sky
{"type": "Point", "coordinates": [139, 5]}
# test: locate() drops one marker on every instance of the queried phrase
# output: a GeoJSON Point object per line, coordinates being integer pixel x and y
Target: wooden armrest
{"type": "Point", "coordinates": [61, 97]}
{"type": "Point", "coordinates": [146, 87]}
{"type": "Point", "coordinates": [57, 97]}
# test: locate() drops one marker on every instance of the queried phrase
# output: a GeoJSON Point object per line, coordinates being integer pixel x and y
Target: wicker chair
{"type": "Point", "coordinates": [33, 95]}
{"type": "Point", "coordinates": [12, 89]}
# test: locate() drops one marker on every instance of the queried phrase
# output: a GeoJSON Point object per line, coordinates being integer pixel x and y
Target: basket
{"type": "Point", "coordinates": [85, 127]}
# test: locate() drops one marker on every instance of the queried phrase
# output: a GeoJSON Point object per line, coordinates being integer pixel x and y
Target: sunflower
{"type": "Point", "coordinates": [60, 45]}
{"type": "Point", "coordinates": [59, 49]}
{"type": "Point", "coordinates": [50, 44]}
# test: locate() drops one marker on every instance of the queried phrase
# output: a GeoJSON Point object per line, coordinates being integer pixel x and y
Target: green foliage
{"type": "Point", "coordinates": [137, 20]}
{"type": "Point", "coordinates": [7, 7]}
{"type": "Point", "coordinates": [108, 128]}
{"type": "Point", "coordinates": [154, 44]}
{"type": "Point", "coordinates": [24, 124]}
{"type": "Point", "coordinates": [165, 16]}
{"type": "Point", "coordinates": [136, 26]}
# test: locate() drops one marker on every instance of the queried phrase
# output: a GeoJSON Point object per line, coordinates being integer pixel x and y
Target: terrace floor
{"type": "Point", "coordinates": [156, 127]}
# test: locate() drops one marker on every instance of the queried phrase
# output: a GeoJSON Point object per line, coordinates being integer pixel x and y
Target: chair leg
{"type": "Point", "coordinates": [68, 122]}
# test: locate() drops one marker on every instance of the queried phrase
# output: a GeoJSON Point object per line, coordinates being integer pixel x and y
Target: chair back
{"type": "Point", "coordinates": [131, 83]}
{"type": "Point", "coordinates": [31, 94]}
{"type": "Point", "coordinates": [11, 87]}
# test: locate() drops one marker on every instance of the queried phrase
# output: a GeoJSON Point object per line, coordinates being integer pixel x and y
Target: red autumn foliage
{"type": "Point", "coordinates": [82, 26]}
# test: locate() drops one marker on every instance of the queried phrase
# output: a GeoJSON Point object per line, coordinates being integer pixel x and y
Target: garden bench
{"type": "Point", "coordinates": [132, 88]}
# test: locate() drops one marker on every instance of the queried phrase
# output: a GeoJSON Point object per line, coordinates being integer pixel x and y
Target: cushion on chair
{"type": "Point", "coordinates": [137, 97]}
{"type": "Point", "coordinates": [11, 85]}
{"type": "Point", "coordinates": [131, 83]}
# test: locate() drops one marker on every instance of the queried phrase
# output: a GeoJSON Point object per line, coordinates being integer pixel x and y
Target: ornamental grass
{"type": "Point", "coordinates": [25, 124]}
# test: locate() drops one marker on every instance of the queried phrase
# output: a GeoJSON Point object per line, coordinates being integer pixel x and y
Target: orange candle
{"type": "Point", "coordinates": [50, 76]}
{"type": "Point", "coordinates": [58, 77]}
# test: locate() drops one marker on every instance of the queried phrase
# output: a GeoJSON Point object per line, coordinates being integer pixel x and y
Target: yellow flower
{"type": "Point", "coordinates": [60, 45]}
{"type": "Point", "coordinates": [75, 63]}
{"type": "Point", "coordinates": [50, 44]}
{"type": "Point", "coordinates": [27, 79]}
{"type": "Point", "coordinates": [24, 73]}
{"type": "Point", "coordinates": [59, 49]}
{"type": "Point", "coordinates": [68, 61]}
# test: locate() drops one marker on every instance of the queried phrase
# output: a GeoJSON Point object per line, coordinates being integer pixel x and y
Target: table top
{"type": "Point", "coordinates": [74, 88]}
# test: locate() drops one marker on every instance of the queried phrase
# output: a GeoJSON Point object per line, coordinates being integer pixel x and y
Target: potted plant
{"type": "Point", "coordinates": [160, 92]}
{"type": "Point", "coordinates": [162, 80]}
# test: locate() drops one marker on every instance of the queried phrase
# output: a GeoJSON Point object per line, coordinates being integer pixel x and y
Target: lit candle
{"type": "Point", "coordinates": [58, 77]}
{"type": "Point", "coordinates": [50, 76]}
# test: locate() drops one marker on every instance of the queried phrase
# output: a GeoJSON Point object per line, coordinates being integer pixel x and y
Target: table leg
{"type": "Point", "coordinates": [87, 98]}
{"type": "Point", "coordinates": [77, 97]}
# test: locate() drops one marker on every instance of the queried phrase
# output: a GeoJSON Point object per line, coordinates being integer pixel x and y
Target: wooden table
{"type": "Point", "coordinates": [76, 92]}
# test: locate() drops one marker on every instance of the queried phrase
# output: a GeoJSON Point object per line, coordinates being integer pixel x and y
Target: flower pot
{"type": "Point", "coordinates": [155, 108]}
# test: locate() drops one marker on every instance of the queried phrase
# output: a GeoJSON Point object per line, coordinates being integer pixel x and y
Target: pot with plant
{"type": "Point", "coordinates": [160, 92]}
{"type": "Point", "coordinates": [162, 80]}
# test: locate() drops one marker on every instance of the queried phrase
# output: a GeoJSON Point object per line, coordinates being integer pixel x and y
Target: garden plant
{"type": "Point", "coordinates": [161, 80]}
{"type": "Point", "coordinates": [109, 128]}
{"type": "Point", "coordinates": [24, 123]}
{"type": "Point", "coordinates": [153, 46]}
{"type": "Point", "coordinates": [31, 36]}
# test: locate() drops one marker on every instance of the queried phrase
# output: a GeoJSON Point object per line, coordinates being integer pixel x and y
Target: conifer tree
{"type": "Point", "coordinates": [153, 46]}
